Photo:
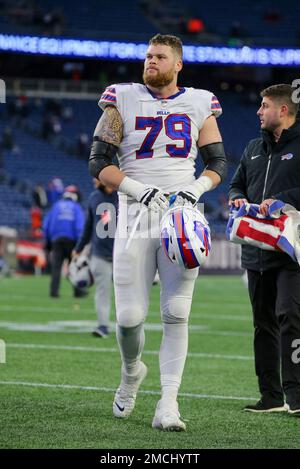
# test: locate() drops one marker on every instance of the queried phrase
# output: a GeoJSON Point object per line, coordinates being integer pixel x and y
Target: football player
{"type": "Point", "coordinates": [155, 129]}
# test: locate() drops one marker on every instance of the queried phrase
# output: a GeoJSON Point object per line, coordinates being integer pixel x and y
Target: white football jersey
{"type": "Point", "coordinates": [159, 144]}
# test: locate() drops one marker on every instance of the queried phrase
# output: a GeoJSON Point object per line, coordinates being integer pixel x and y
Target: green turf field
{"type": "Point", "coordinates": [57, 385]}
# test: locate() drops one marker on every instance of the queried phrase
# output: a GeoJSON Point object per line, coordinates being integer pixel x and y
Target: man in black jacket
{"type": "Point", "coordinates": [270, 169]}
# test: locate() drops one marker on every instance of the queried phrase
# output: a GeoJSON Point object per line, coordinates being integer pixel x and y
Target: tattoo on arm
{"type": "Point", "coordinates": [110, 126]}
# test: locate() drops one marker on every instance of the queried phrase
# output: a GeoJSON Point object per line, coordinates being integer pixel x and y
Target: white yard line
{"type": "Point", "coordinates": [77, 307]}
{"type": "Point", "coordinates": [47, 309]}
{"type": "Point", "coordinates": [78, 327]}
{"type": "Point", "coordinates": [116, 350]}
{"type": "Point", "coordinates": [112, 390]}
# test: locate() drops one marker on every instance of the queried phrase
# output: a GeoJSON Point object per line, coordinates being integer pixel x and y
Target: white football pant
{"type": "Point", "coordinates": [135, 263]}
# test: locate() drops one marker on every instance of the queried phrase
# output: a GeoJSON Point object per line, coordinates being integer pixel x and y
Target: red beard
{"type": "Point", "coordinates": [159, 80]}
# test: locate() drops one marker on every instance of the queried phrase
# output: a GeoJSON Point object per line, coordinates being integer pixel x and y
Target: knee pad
{"type": "Point", "coordinates": [130, 316]}
{"type": "Point", "coordinates": [176, 310]}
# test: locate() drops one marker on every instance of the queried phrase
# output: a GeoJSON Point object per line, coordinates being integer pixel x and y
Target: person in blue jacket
{"type": "Point", "coordinates": [62, 228]}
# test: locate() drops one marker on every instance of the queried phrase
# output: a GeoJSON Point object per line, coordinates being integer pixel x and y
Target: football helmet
{"type": "Point", "coordinates": [185, 236]}
{"type": "Point", "coordinates": [80, 274]}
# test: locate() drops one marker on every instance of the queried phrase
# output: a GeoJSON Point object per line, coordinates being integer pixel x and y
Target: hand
{"type": "Point", "coordinates": [238, 202]}
{"type": "Point", "coordinates": [184, 197]}
{"type": "Point", "coordinates": [264, 207]}
{"type": "Point", "coordinates": [192, 193]}
{"type": "Point", "coordinates": [153, 198]}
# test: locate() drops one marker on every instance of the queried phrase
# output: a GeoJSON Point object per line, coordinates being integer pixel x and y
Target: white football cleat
{"type": "Point", "coordinates": [125, 396]}
{"type": "Point", "coordinates": [167, 417]}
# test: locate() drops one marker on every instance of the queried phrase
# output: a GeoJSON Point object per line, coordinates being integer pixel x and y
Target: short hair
{"type": "Point", "coordinates": [168, 40]}
{"type": "Point", "coordinates": [282, 94]}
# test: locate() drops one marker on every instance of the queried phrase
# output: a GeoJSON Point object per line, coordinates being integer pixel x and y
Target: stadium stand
{"type": "Point", "coordinates": [40, 161]}
{"type": "Point", "coordinates": [14, 207]}
{"type": "Point", "coordinates": [88, 19]}
{"type": "Point", "coordinates": [258, 23]}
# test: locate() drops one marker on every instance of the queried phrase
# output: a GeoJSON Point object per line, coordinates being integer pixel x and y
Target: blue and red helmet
{"type": "Point", "coordinates": [185, 237]}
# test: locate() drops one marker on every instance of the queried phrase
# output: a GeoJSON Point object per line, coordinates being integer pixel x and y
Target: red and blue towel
{"type": "Point", "coordinates": [278, 231]}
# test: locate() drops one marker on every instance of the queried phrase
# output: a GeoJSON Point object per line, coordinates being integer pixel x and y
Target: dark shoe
{"type": "Point", "coordinates": [263, 406]}
{"type": "Point", "coordinates": [54, 295]}
{"type": "Point", "coordinates": [294, 409]}
{"type": "Point", "coordinates": [101, 331]}
{"type": "Point", "coordinates": [80, 293]}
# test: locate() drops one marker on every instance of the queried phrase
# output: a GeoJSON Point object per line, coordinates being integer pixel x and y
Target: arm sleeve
{"type": "Point", "coordinates": [79, 221]}
{"type": "Point", "coordinates": [214, 158]}
{"type": "Point", "coordinates": [86, 234]}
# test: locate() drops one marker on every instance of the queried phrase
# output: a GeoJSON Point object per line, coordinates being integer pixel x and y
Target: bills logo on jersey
{"type": "Point", "coordinates": [288, 156]}
{"type": "Point", "coordinates": [164, 104]}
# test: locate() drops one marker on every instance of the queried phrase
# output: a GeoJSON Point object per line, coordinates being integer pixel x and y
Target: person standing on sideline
{"type": "Point", "coordinates": [270, 170]}
{"type": "Point", "coordinates": [101, 215]}
{"type": "Point", "coordinates": [155, 128]}
{"type": "Point", "coordinates": [62, 228]}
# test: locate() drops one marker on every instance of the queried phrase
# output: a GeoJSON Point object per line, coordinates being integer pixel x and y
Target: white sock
{"type": "Point", "coordinates": [172, 357]}
{"type": "Point", "coordinates": [131, 342]}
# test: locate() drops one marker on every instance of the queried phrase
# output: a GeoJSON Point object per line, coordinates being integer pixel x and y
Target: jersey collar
{"type": "Point", "coordinates": [181, 91]}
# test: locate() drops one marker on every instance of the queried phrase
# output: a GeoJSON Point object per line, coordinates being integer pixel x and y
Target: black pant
{"type": "Point", "coordinates": [275, 299]}
{"type": "Point", "coordinates": [61, 250]}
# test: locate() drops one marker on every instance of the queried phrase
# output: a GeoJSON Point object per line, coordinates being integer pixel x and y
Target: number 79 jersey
{"type": "Point", "coordinates": [159, 144]}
